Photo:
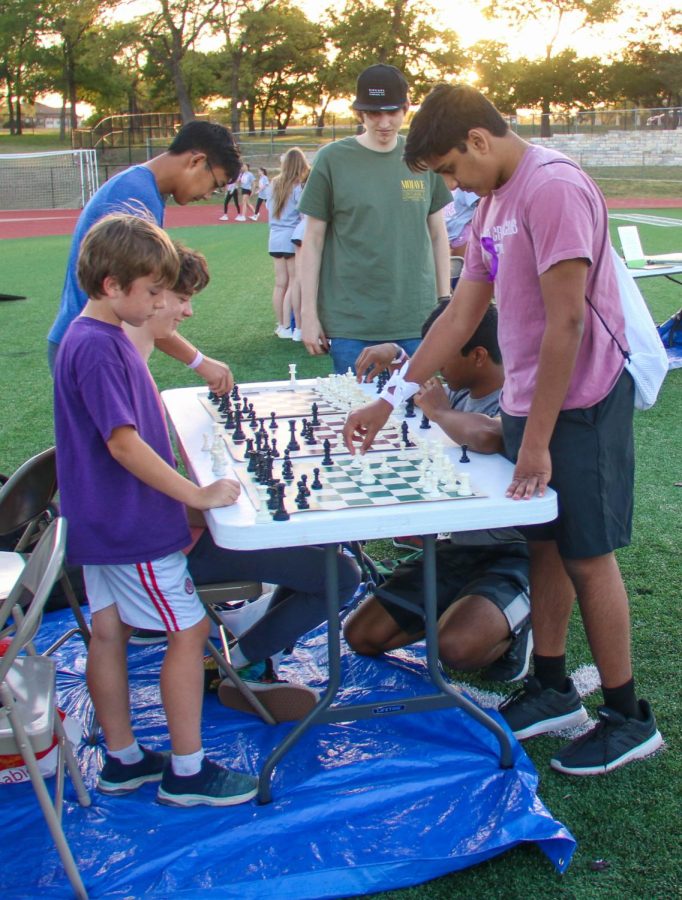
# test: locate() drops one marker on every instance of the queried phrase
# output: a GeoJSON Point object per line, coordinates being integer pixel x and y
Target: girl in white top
{"type": "Point", "coordinates": [246, 180]}
{"type": "Point", "coordinates": [263, 184]}
{"type": "Point", "coordinates": [284, 216]}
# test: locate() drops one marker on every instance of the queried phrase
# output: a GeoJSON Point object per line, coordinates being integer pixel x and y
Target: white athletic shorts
{"type": "Point", "coordinates": [157, 596]}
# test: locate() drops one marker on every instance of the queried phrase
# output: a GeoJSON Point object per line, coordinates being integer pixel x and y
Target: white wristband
{"type": "Point", "coordinates": [398, 390]}
{"type": "Point", "coordinates": [197, 361]}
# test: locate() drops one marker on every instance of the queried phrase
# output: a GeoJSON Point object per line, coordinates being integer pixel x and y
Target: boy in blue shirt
{"type": "Point", "coordinates": [125, 504]}
{"type": "Point", "coordinates": [201, 159]}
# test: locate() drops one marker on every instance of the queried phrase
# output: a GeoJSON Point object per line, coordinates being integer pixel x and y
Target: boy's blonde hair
{"type": "Point", "coordinates": [295, 170]}
{"type": "Point", "coordinates": [125, 247]}
{"type": "Point", "coordinates": [193, 275]}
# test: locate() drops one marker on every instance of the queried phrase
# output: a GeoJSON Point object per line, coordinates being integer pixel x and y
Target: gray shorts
{"type": "Point", "coordinates": [499, 573]}
{"type": "Point", "coordinates": [593, 470]}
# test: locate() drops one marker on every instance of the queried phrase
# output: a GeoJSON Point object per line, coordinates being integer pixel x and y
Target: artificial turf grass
{"type": "Point", "coordinates": [631, 817]}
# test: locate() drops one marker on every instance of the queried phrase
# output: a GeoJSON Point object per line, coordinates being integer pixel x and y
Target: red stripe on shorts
{"type": "Point", "coordinates": [155, 595]}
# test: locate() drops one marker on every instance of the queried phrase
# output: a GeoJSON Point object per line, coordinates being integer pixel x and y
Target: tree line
{"type": "Point", "coordinates": [266, 61]}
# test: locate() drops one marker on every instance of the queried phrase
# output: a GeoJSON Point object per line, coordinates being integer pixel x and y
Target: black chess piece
{"type": "Point", "coordinates": [315, 419]}
{"type": "Point", "coordinates": [272, 497]}
{"type": "Point", "coordinates": [273, 421]}
{"type": "Point", "coordinates": [302, 501]}
{"type": "Point", "coordinates": [464, 458]}
{"type": "Point", "coordinates": [238, 435]}
{"type": "Point", "coordinates": [287, 467]}
{"type": "Point", "coordinates": [424, 422]}
{"type": "Point", "coordinates": [250, 454]}
{"type": "Point", "coordinates": [235, 392]}
{"type": "Point", "coordinates": [293, 443]}
{"type": "Point", "coordinates": [214, 398]}
{"type": "Point", "coordinates": [273, 448]}
{"type": "Point", "coordinates": [303, 486]}
{"type": "Point", "coordinates": [281, 514]}
{"type": "Point", "coordinates": [316, 484]}
{"type": "Point", "coordinates": [409, 408]}
{"type": "Point", "coordinates": [327, 458]}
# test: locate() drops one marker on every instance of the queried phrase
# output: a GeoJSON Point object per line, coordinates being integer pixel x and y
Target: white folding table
{"type": "Point", "coordinates": [235, 527]}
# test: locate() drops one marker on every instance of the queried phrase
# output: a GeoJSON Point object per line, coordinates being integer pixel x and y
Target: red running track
{"type": "Point", "coordinates": [43, 222]}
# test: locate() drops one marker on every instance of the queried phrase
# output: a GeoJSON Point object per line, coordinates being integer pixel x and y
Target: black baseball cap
{"type": "Point", "coordinates": [381, 87]}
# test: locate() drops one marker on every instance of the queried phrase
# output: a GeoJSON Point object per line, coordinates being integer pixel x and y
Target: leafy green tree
{"type": "Point", "coordinates": [19, 43]}
{"type": "Point", "coordinates": [496, 73]}
{"type": "Point", "coordinates": [396, 32]}
{"type": "Point", "coordinates": [555, 15]}
{"type": "Point", "coordinates": [171, 32]}
{"type": "Point", "coordinates": [285, 49]}
{"type": "Point", "coordinates": [569, 80]}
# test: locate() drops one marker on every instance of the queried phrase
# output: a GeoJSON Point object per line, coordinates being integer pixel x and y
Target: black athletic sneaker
{"type": "Point", "coordinates": [531, 710]}
{"type": "Point", "coordinates": [514, 663]}
{"type": "Point", "coordinates": [213, 785]}
{"type": "Point", "coordinates": [116, 778]}
{"type": "Point", "coordinates": [142, 637]}
{"type": "Point", "coordinates": [614, 741]}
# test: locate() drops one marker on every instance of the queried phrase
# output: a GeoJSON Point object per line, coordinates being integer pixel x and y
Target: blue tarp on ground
{"type": "Point", "coordinates": [358, 807]}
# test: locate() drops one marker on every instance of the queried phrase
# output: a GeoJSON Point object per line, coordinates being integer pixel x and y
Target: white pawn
{"type": "Point", "coordinates": [206, 446]}
{"type": "Point", "coordinates": [292, 376]}
{"type": "Point", "coordinates": [263, 516]}
{"type": "Point", "coordinates": [366, 476]}
{"type": "Point", "coordinates": [464, 489]}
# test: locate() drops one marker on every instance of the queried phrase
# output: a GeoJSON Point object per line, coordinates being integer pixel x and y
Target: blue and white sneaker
{"type": "Point", "coordinates": [117, 779]}
{"type": "Point", "coordinates": [213, 785]}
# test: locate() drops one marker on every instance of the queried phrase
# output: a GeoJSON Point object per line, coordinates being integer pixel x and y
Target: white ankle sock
{"type": "Point", "coordinates": [189, 764]}
{"type": "Point", "coordinates": [128, 756]}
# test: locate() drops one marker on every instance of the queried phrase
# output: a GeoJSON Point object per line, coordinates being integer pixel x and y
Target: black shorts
{"type": "Point", "coordinates": [246, 192]}
{"type": "Point", "coordinates": [593, 471]}
{"type": "Point", "coordinates": [276, 254]}
{"type": "Point", "coordinates": [499, 573]}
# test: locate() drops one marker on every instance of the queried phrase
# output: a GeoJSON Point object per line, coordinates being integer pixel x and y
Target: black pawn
{"type": "Point", "coordinates": [464, 457]}
{"type": "Point", "coordinates": [272, 497]}
{"type": "Point", "coordinates": [327, 458]}
{"type": "Point", "coordinates": [302, 501]}
{"type": "Point", "coordinates": [314, 410]}
{"type": "Point", "coordinates": [235, 392]}
{"type": "Point", "coordinates": [287, 468]}
{"type": "Point", "coordinates": [273, 448]}
{"type": "Point", "coordinates": [409, 408]}
{"type": "Point", "coordinates": [424, 422]}
{"type": "Point", "coordinates": [303, 486]}
{"type": "Point", "coordinates": [316, 484]}
{"type": "Point", "coordinates": [273, 421]}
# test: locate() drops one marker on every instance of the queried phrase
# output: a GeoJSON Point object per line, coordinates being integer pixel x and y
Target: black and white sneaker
{"type": "Point", "coordinates": [213, 785]}
{"type": "Point", "coordinates": [513, 665]}
{"type": "Point", "coordinates": [117, 779]}
{"type": "Point", "coordinates": [531, 711]}
{"type": "Point", "coordinates": [144, 637]}
{"type": "Point", "coordinates": [614, 741]}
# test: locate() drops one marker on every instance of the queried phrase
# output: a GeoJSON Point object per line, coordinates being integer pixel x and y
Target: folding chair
{"type": "Point", "coordinates": [28, 717]}
{"type": "Point", "coordinates": [230, 593]}
{"type": "Point", "coordinates": [25, 506]}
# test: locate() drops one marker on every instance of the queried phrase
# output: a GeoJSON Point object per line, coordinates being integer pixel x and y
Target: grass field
{"type": "Point", "coordinates": [631, 818]}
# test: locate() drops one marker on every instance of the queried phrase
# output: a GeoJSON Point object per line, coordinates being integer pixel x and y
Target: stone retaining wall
{"type": "Point", "coordinates": [620, 148]}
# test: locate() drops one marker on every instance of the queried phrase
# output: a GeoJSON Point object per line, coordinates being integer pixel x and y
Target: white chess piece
{"type": "Point", "coordinates": [292, 376]}
{"type": "Point", "coordinates": [207, 439]}
{"type": "Point", "coordinates": [464, 488]}
{"type": "Point", "coordinates": [263, 516]}
{"type": "Point", "coordinates": [366, 476]}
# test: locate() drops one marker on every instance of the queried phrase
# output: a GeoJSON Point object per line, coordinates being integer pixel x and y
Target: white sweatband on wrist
{"type": "Point", "coordinates": [197, 361]}
{"type": "Point", "coordinates": [400, 356]}
{"type": "Point", "coordinates": [398, 390]}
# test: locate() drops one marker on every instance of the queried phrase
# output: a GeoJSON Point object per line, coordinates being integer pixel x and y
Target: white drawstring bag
{"type": "Point", "coordinates": [646, 361]}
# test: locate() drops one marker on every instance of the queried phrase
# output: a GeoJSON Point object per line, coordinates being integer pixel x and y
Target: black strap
{"type": "Point", "coordinates": [624, 353]}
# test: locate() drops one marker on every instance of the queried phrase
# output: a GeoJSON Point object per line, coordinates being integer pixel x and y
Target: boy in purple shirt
{"type": "Point", "coordinates": [540, 238]}
{"type": "Point", "coordinates": [125, 504]}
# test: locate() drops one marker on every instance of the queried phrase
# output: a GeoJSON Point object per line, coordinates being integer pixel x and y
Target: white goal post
{"type": "Point", "coordinates": [58, 179]}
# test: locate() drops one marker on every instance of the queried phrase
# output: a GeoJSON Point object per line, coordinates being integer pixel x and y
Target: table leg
{"type": "Point", "coordinates": [431, 630]}
{"type": "Point", "coordinates": [334, 653]}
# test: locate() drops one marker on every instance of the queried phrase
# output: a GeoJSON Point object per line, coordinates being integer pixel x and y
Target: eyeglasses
{"type": "Point", "coordinates": [216, 184]}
